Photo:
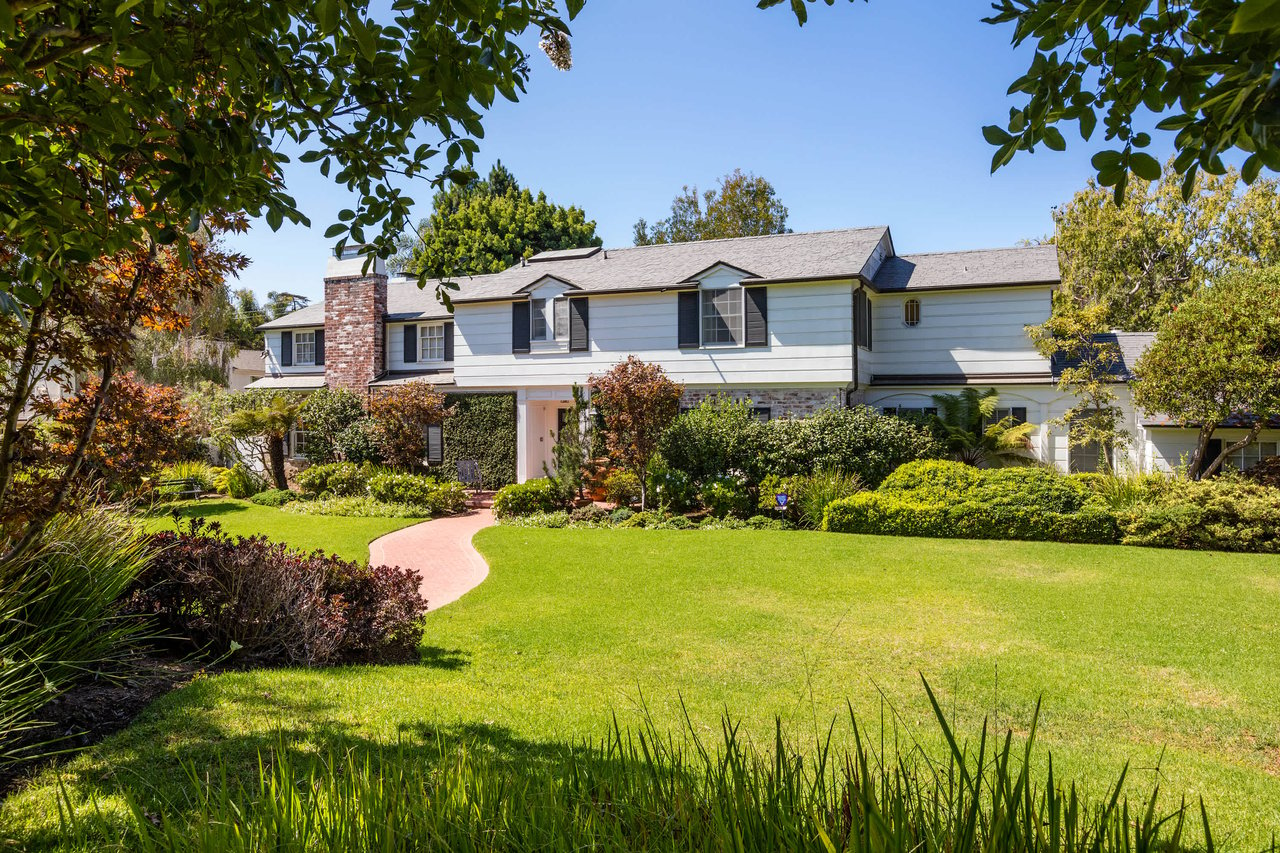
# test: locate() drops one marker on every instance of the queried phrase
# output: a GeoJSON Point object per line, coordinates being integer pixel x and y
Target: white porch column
{"type": "Point", "coordinates": [522, 435]}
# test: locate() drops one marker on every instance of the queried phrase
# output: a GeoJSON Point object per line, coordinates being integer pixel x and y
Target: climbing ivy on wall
{"type": "Point", "coordinates": [481, 427]}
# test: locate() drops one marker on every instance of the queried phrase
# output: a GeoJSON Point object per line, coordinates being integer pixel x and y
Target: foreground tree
{"type": "Point", "coordinates": [1208, 66]}
{"type": "Point", "coordinates": [742, 205]}
{"type": "Point", "coordinates": [973, 437]}
{"type": "Point", "coordinates": [490, 225]}
{"type": "Point", "coordinates": [1217, 359]}
{"type": "Point", "coordinates": [1140, 259]}
{"type": "Point", "coordinates": [269, 423]}
{"type": "Point", "coordinates": [1076, 338]}
{"type": "Point", "coordinates": [401, 416]}
{"type": "Point", "coordinates": [637, 402]}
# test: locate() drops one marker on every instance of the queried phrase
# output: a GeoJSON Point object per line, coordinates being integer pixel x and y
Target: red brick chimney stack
{"type": "Point", "coordinates": [355, 303]}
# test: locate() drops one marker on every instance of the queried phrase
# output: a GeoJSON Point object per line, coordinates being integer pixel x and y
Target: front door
{"type": "Point", "coordinates": [1211, 452]}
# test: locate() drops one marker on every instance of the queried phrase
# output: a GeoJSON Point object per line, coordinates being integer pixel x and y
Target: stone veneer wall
{"type": "Point", "coordinates": [353, 330]}
{"type": "Point", "coordinates": [783, 402]}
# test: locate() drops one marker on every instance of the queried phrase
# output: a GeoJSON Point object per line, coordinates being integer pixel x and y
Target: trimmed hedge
{"type": "Point", "coordinates": [949, 500]}
{"type": "Point", "coordinates": [416, 490]}
{"type": "Point", "coordinates": [526, 498]}
{"type": "Point", "coordinates": [274, 497]}
{"type": "Point", "coordinates": [480, 427]}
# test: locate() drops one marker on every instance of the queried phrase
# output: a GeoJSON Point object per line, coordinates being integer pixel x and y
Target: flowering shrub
{"type": "Point", "coordinates": [269, 604]}
{"type": "Point", "coordinates": [727, 494]}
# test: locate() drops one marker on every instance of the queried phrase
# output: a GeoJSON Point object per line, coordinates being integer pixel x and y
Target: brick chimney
{"type": "Point", "coordinates": [355, 303]}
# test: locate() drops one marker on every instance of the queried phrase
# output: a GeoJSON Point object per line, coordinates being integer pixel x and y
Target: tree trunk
{"type": "Point", "coordinates": [1232, 448]}
{"type": "Point", "coordinates": [644, 489]}
{"type": "Point", "coordinates": [275, 448]}
{"type": "Point", "coordinates": [1202, 447]}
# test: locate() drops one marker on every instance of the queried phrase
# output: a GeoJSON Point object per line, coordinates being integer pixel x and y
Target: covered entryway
{"type": "Point", "coordinates": [540, 415]}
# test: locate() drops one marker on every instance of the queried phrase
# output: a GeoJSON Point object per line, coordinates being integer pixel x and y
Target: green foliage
{"type": "Point", "coordinates": [860, 441]}
{"type": "Point", "coordinates": [488, 226]}
{"type": "Point", "coordinates": [61, 620]}
{"type": "Point", "coordinates": [590, 515]}
{"type": "Point", "coordinates": [621, 514]}
{"type": "Point", "coordinates": [359, 442]}
{"type": "Point", "coordinates": [807, 495]}
{"type": "Point", "coordinates": [525, 499]}
{"type": "Point", "coordinates": [274, 497]}
{"type": "Point", "coordinates": [672, 489]}
{"type": "Point", "coordinates": [238, 481]}
{"type": "Point", "coordinates": [718, 435]}
{"type": "Point", "coordinates": [554, 520]}
{"type": "Point", "coordinates": [645, 519]}
{"type": "Point", "coordinates": [269, 420]}
{"type": "Point", "coordinates": [1206, 66]}
{"type": "Point", "coordinates": [727, 494]}
{"type": "Point", "coordinates": [357, 507]}
{"type": "Point", "coordinates": [344, 479]}
{"type": "Point", "coordinates": [572, 451]}
{"type": "Point", "coordinates": [1217, 358]}
{"type": "Point", "coordinates": [1138, 261]}
{"type": "Point", "coordinates": [439, 498]}
{"type": "Point", "coordinates": [201, 473]}
{"type": "Point", "coordinates": [481, 427]}
{"type": "Point", "coordinates": [622, 488]}
{"type": "Point", "coordinates": [953, 500]}
{"type": "Point", "coordinates": [327, 415]}
{"type": "Point", "coordinates": [1224, 513]}
{"type": "Point", "coordinates": [742, 205]}
{"type": "Point", "coordinates": [637, 402]}
{"type": "Point", "coordinates": [971, 435]}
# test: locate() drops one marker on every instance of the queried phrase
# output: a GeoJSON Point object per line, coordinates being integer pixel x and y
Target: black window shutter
{"type": "Point", "coordinates": [756, 304]}
{"type": "Point", "coordinates": [520, 326]}
{"type": "Point", "coordinates": [410, 344]}
{"type": "Point", "coordinates": [687, 308]}
{"type": "Point", "coordinates": [1020, 414]}
{"type": "Point", "coordinates": [286, 349]}
{"type": "Point", "coordinates": [448, 342]}
{"type": "Point", "coordinates": [579, 329]}
{"type": "Point", "coordinates": [319, 347]}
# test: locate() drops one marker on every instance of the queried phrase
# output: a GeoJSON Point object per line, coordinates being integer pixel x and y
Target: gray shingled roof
{"type": "Point", "coordinates": [1129, 345]}
{"type": "Point", "coordinates": [979, 267]}
{"type": "Point", "coordinates": [405, 301]}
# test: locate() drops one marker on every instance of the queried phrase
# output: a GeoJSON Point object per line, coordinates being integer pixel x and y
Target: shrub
{"type": "Point", "coordinates": [716, 436]}
{"type": "Point", "coordinates": [677, 522]}
{"type": "Point", "coordinates": [60, 617]}
{"type": "Point", "coordinates": [344, 479]}
{"type": "Point", "coordinates": [357, 507]}
{"type": "Point", "coordinates": [201, 473]}
{"type": "Point", "coordinates": [358, 443]}
{"type": "Point", "coordinates": [672, 489]}
{"type": "Point", "coordinates": [1226, 513]}
{"type": "Point", "coordinates": [590, 516]}
{"type": "Point", "coordinates": [554, 520]}
{"type": "Point", "coordinates": [726, 523]}
{"type": "Point", "coordinates": [326, 415]}
{"type": "Point", "coordinates": [525, 499]}
{"type": "Point", "coordinates": [645, 519]}
{"type": "Point", "coordinates": [238, 481]}
{"type": "Point", "coordinates": [764, 522]}
{"type": "Point", "coordinates": [270, 604]}
{"type": "Point", "coordinates": [621, 514]}
{"type": "Point", "coordinates": [274, 497]}
{"type": "Point", "coordinates": [401, 415]}
{"type": "Point", "coordinates": [859, 441]}
{"type": "Point", "coordinates": [1266, 472]}
{"type": "Point", "coordinates": [807, 495]}
{"type": "Point", "coordinates": [622, 488]}
{"type": "Point", "coordinates": [416, 490]}
{"type": "Point", "coordinates": [727, 494]}
{"type": "Point", "coordinates": [937, 480]}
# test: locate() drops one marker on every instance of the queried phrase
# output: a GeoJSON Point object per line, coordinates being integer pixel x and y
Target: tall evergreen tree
{"type": "Point", "coordinates": [742, 205]}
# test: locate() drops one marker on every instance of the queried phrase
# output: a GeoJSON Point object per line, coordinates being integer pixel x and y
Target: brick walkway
{"type": "Point", "coordinates": [440, 550]}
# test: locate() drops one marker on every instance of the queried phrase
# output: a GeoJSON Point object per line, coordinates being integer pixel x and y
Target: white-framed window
{"type": "Point", "coordinates": [1089, 458]}
{"type": "Point", "coordinates": [435, 444]}
{"type": "Point", "coordinates": [549, 319]}
{"type": "Point", "coordinates": [1018, 413]}
{"type": "Point", "coordinates": [911, 312]}
{"type": "Point", "coordinates": [304, 347]}
{"type": "Point", "coordinates": [1246, 457]}
{"type": "Point", "coordinates": [919, 411]}
{"type": "Point", "coordinates": [721, 316]}
{"type": "Point", "coordinates": [431, 342]}
{"type": "Point", "coordinates": [297, 448]}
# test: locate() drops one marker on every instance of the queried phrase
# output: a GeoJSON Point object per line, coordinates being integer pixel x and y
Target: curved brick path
{"type": "Point", "coordinates": [440, 550]}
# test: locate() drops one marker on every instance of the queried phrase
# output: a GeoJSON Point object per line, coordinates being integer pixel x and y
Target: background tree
{"type": "Point", "coordinates": [742, 205]}
{"type": "Point", "coordinates": [271, 423]}
{"type": "Point", "coordinates": [972, 437]}
{"type": "Point", "coordinates": [1208, 66]}
{"type": "Point", "coordinates": [1217, 358]}
{"type": "Point", "coordinates": [1140, 259]}
{"type": "Point", "coordinates": [637, 402]}
{"type": "Point", "coordinates": [1076, 337]}
{"type": "Point", "coordinates": [327, 415]}
{"type": "Point", "coordinates": [401, 416]}
{"type": "Point", "coordinates": [488, 226]}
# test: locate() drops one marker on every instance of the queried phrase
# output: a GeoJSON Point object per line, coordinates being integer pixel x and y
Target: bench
{"type": "Point", "coordinates": [182, 487]}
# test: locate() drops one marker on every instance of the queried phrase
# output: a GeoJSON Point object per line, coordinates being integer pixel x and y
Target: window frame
{"type": "Point", "coordinates": [911, 312]}
{"type": "Point", "coordinates": [424, 337]}
{"type": "Point", "coordinates": [438, 431]}
{"type": "Point", "coordinates": [297, 448]}
{"type": "Point", "coordinates": [1251, 454]}
{"type": "Point", "coordinates": [298, 360]}
{"type": "Point", "coordinates": [554, 319]}
{"type": "Point", "coordinates": [737, 335]}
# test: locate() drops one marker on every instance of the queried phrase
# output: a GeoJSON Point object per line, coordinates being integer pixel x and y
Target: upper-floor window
{"type": "Point", "coordinates": [721, 316]}
{"type": "Point", "coordinates": [862, 318]}
{"type": "Point", "coordinates": [549, 319]}
{"type": "Point", "coordinates": [911, 312]}
{"type": "Point", "coordinates": [431, 342]}
{"type": "Point", "coordinates": [304, 347]}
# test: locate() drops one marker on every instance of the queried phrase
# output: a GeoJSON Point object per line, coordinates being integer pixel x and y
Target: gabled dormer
{"type": "Point", "coordinates": [723, 309]}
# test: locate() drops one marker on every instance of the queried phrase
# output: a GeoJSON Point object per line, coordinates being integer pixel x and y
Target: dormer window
{"type": "Point", "coordinates": [549, 319]}
{"type": "Point", "coordinates": [911, 312]}
{"type": "Point", "coordinates": [721, 316]}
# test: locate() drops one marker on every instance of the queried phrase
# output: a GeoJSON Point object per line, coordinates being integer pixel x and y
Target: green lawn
{"type": "Point", "coordinates": [346, 537]}
{"type": "Point", "coordinates": [1151, 657]}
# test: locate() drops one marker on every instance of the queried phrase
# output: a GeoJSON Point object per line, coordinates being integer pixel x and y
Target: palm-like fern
{"type": "Point", "coordinates": [972, 439]}
{"type": "Point", "coordinates": [272, 422]}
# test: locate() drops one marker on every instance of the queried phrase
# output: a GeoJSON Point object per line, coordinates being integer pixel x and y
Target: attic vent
{"type": "Point", "coordinates": [565, 254]}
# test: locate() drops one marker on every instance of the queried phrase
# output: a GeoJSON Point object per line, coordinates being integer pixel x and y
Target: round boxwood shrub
{"type": "Point", "coordinates": [525, 498]}
{"type": "Point", "coordinates": [622, 488]}
{"type": "Point", "coordinates": [274, 497]}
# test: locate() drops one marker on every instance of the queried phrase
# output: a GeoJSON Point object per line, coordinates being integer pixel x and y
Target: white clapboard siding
{"type": "Point", "coordinates": [272, 361]}
{"type": "Point", "coordinates": [810, 328]}
{"type": "Point", "coordinates": [395, 349]}
{"type": "Point", "coordinates": [969, 331]}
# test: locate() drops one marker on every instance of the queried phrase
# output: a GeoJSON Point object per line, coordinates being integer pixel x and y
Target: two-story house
{"type": "Point", "coordinates": [791, 322]}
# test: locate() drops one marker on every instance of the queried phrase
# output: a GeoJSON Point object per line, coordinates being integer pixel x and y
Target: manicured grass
{"type": "Point", "coordinates": [347, 537]}
{"type": "Point", "coordinates": [1158, 658]}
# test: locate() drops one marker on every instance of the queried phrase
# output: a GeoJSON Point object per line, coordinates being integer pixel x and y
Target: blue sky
{"type": "Point", "coordinates": [870, 114]}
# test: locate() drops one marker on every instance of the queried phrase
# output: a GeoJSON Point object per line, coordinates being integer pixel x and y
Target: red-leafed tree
{"type": "Point", "coordinates": [637, 401]}
{"type": "Point", "coordinates": [401, 416]}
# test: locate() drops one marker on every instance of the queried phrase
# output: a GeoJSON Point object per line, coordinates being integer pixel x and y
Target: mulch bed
{"type": "Point", "coordinates": [89, 712]}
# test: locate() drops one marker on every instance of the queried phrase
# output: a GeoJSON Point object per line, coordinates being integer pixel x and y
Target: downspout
{"type": "Point", "coordinates": [853, 339]}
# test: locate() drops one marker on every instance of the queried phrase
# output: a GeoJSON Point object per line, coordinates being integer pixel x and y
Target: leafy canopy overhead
{"type": "Point", "coordinates": [742, 205]}
{"type": "Point", "coordinates": [1141, 259]}
{"type": "Point", "coordinates": [490, 225]}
